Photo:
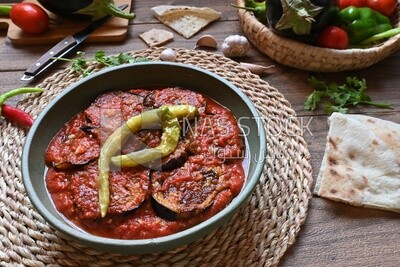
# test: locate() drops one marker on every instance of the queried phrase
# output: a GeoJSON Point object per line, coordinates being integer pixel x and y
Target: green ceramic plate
{"type": "Point", "coordinates": [148, 74]}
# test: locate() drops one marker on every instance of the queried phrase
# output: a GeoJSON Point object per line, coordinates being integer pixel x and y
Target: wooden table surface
{"type": "Point", "coordinates": [334, 234]}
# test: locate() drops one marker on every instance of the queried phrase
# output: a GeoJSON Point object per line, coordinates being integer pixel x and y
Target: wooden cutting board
{"type": "Point", "coordinates": [115, 30]}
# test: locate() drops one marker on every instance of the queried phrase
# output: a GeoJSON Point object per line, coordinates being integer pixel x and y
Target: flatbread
{"type": "Point", "coordinates": [185, 20]}
{"type": "Point", "coordinates": [361, 164]}
{"type": "Point", "coordinates": [156, 37]}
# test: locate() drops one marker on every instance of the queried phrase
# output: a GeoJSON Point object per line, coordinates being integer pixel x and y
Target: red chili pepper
{"type": "Point", "coordinates": [17, 116]}
{"type": "Point", "coordinates": [14, 114]}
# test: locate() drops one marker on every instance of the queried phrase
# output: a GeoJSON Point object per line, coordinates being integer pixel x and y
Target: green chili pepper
{"type": "Point", "coordinates": [14, 92]}
{"type": "Point", "coordinates": [113, 144]}
{"type": "Point", "coordinates": [5, 10]}
{"type": "Point", "coordinates": [184, 111]}
{"type": "Point", "coordinates": [169, 141]}
{"type": "Point", "coordinates": [380, 36]}
{"type": "Point", "coordinates": [363, 22]}
{"type": "Point", "coordinates": [259, 9]}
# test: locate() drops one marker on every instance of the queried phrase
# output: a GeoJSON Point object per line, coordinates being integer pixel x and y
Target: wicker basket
{"type": "Point", "coordinates": [307, 57]}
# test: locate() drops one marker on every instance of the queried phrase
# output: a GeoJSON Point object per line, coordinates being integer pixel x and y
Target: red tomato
{"type": "Point", "coordinates": [333, 37]}
{"type": "Point", "coordinates": [345, 3]}
{"type": "Point", "coordinates": [30, 17]}
{"type": "Point", "coordinates": [385, 7]}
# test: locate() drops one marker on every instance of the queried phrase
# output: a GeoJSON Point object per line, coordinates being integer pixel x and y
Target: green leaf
{"type": "Point", "coordinates": [100, 8]}
{"type": "Point", "coordinates": [298, 15]}
{"type": "Point", "coordinates": [313, 100]}
{"type": "Point", "coordinates": [316, 84]}
{"type": "Point", "coordinates": [329, 108]}
{"type": "Point", "coordinates": [340, 98]}
{"type": "Point", "coordinates": [337, 98]}
{"type": "Point", "coordinates": [125, 58]}
{"type": "Point", "coordinates": [81, 64]}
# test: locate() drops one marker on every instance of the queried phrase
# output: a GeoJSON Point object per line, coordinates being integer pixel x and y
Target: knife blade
{"type": "Point", "coordinates": [64, 47]}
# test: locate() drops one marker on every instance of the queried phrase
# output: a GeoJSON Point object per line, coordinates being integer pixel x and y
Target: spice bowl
{"type": "Point", "coordinates": [313, 58]}
{"type": "Point", "coordinates": [80, 95]}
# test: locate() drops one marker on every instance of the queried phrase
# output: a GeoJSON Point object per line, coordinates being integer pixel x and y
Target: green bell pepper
{"type": "Point", "coordinates": [363, 22]}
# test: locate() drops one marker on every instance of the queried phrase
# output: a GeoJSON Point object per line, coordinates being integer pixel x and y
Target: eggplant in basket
{"type": "Point", "coordinates": [301, 19]}
{"type": "Point", "coordinates": [84, 9]}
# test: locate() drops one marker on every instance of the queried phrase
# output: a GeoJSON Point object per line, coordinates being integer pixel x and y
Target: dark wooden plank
{"type": "Point", "coordinates": [340, 235]}
{"type": "Point", "coordinates": [22, 56]}
{"type": "Point", "coordinates": [144, 13]}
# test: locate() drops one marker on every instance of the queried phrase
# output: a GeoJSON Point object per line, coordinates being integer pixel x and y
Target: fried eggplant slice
{"type": "Point", "coordinates": [110, 110]}
{"type": "Point", "coordinates": [172, 161]}
{"type": "Point", "coordinates": [140, 92]}
{"type": "Point", "coordinates": [73, 145]}
{"type": "Point", "coordinates": [174, 96]}
{"type": "Point", "coordinates": [188, 190]}
{"type": "Point", "coordinates": [141, 140]}
{"type": "Point", "coordinates": [151, 138]}
{"type": "Point", "coordinates": [128, 189]}
{"type": "Point", "coordinates": [78, 142]}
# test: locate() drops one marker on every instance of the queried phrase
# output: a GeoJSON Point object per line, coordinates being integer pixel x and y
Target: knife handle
{"type": "Point", "coordinates": [49, 56]}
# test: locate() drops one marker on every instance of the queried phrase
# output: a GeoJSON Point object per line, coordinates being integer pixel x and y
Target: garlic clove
{"type": "Point", "coordinates": [258, 69]}
{"type": "Point", "coordinates": [168, 54]}
{"type": "Point", "coordinates": [207, 41]}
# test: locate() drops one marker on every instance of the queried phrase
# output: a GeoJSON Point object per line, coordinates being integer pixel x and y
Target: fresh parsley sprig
{"type": "Point", "coordinates": [338, 98]}
{"type": "Point", "coordinates": [80, 64]}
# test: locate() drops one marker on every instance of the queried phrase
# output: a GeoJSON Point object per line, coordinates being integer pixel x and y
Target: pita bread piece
{"type": "Point", "coordinates": [361, 164]}
{"type": "Point", "coordinates": [155, 37]}
{"type": "Point", "coordinates": [185, 20]}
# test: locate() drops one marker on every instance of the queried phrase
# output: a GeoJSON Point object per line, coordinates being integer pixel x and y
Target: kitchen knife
{"type": "Point", "coordinates": [63, 47]}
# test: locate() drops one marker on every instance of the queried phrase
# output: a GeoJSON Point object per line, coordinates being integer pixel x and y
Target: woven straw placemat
{"type": "Point", "coordinates": [312, 58]}
{"type": "Point", "coordinates": [258, 235]}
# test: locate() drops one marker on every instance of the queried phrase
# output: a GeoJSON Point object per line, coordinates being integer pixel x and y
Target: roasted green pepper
{"type": "Point", "coordinates": [363, 22]}
{"type": "Point", "coordinates": [169, 141]}
{"type": "Point", "coordinates": [113, 144]}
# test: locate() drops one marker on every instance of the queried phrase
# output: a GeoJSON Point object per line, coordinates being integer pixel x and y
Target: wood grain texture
{"type": "Point", "coordinates": [114, 30]}
{"type": "Point", "coordinates": [334, 234]}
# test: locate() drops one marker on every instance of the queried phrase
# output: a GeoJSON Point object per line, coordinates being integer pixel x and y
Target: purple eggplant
{"type": "Point", "coordinates": [84, 9]}
{"type": "Point", "coordinates": [301, 20]}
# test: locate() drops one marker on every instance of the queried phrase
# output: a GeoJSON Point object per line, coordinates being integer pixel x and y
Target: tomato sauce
{"type": "Point", "coordinates": [193, 183]}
